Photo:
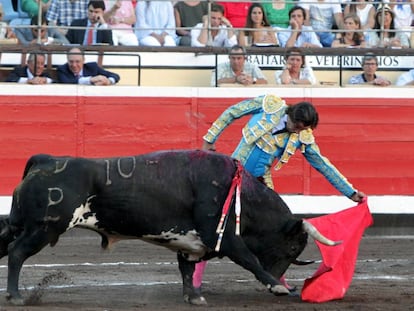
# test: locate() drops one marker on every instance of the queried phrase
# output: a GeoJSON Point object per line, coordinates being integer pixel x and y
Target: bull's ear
{"type": "Point", "coordinates": [293, 226]}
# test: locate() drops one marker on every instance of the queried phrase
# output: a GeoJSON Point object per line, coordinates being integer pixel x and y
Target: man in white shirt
{"type": "Point", "coordinates": [322, 16]}
{"type": "Point", "coordinates": [221, 33]}
{"type": "Point", "coordinates": [298, 34]}
{"type": "Point", "coordinates": [33, 72]}
{"type": "Point", "coordinates": [406, 79]}
{"type": "Point", "coordinates": [237, 70]}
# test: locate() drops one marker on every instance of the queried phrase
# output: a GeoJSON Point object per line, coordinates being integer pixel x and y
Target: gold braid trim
{"type": "Point", "coordinates": [267, 178]}
{"type": "Point", "coordinates": [289, 150]}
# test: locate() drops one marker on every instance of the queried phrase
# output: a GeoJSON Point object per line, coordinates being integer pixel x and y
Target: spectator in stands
{"type": "Point", "coordinates": [62, 13]}
{"type": "Point", "coordinates": [404, 13]}
{"type": "Point", "coordinates": [221, 34]}
{"type": "Point", "coordinates": [6, 33]}
{"type": "Point", "coordinates": [369, 76]}
{"type": "Point", "coordinates": [352, 35]}
{"type": "Point", "coordinates": [295, 71]}
{"type": "Point", "coordinates": [236, 12]}
{"type": "Point", "coordinates": [323, 15]}
{"type": "Point", "coordinates": [42, 35]}
{"type": "Point", "coordinates": [33, 72]}
{"type": "Point", "coordinates": [121, 19]}
{"type": "Point", "coordinates": [298, 34]}
{"type": "Point", "coordinates": [390, 36]}
{"type": "Point", "coordinates": [155, 23]}
{"type": "Point", "coordinates": [404, 16]}
{"type": "Point", "coordinates": [76, 71]}
{"type": "Point", "coordinates": [188, 13]}
{"type": "Point", "coordinates": [97, 31]}
{"type": "Point", "coordinates": [365, 11]}
{"type": "Point", "coordinates": [31, 7]}
{"type": "Point", "coordinates": [263, 34]}
{"type": "Point", "coordinates": [406, 79]}
{"type": "Point", "coordinates": [277, 12]}
{"type": "Point", "coordinates": [237, 70]}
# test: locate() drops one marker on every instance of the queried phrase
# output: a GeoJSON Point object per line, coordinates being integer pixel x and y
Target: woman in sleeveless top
{"type": "Point", "coordinates": [364, 10]}
{"type": "Point", "coordinates": [258, 30]}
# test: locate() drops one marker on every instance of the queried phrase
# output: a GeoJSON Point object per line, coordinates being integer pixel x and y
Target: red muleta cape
{"type": "Point", "coordinates": [334, 275]}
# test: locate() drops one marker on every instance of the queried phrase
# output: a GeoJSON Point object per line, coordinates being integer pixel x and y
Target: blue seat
{"type": "Point", "coordinates": [9, 12]}
{"type": "Point", "coordinates": [19, 10]}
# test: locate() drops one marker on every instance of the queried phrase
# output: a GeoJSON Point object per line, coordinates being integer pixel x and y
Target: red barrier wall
{"type": "Point", "coordinates": [369, 139]}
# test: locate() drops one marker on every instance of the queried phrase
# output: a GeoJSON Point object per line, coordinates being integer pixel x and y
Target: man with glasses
{"type": "Point", "coordinates": [42, 35]}
{"type": "Point", "coordinates": [33, 72]}
{"type": "Point", "coordinates": [369, 76]}
{"type": "Point", "coordinates": [273, 134]}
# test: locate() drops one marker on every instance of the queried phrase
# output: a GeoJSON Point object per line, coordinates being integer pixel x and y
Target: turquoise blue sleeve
{"type": "Point", "coordinates": [245, 107]}
{"type": "Point", "coordinates": [327, 169]}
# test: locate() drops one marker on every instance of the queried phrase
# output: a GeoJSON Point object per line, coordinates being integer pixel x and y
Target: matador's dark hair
{"type": "Point", "coordinates": [303, 112]}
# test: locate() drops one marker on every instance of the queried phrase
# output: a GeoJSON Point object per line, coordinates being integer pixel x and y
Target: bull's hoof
{"type": "Point", "coordinates": [196, 300]}
{"type": "Point", "coordinates": [285, 284]}
{"type": "Point", "coordinates": [279, 290]}
{"type": "Point", "coordinates": [16, 300]}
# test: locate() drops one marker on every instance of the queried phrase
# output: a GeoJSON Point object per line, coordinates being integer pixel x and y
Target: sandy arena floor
{"type": "Point", "coordinates": [77, 275]}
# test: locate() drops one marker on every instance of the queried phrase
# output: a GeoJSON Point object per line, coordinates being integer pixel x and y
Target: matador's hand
{"type": "Point", "coordinates": [358, 196]}
{"type": "Point", "coordinates": [208, 146]}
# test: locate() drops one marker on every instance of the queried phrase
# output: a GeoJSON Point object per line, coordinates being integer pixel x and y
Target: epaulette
{"type": "Point", "coordinates": [272, 103]}
{"type": "Point", "coordinates": [306, 137]}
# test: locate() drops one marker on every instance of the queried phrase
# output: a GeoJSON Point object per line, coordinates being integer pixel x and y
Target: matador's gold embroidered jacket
{"type": "Point", "coordinates": [259, 148]}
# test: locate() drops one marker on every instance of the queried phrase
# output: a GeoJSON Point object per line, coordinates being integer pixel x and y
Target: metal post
{"type": "Point", "coordinates": [39, 21]}
{"type": "Point", "coordinates": [209, 38]}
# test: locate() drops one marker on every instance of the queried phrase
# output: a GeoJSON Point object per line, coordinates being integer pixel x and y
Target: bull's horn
{"type": "Point", "coordinates": [314, 233]}
{"type": "Point", "coordinates": [302, 262]}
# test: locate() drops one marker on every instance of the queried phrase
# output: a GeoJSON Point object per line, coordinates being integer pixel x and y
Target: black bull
{"type": "Point", "coordinates": [171, 198]}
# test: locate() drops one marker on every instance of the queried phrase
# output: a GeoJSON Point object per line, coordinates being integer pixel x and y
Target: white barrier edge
{"type": "Point", "coordinates": [73, 90]}
{"type": "Point", "coordinates": [305, 204]}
